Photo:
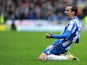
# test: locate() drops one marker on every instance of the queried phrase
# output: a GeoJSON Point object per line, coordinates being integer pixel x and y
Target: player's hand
{"type": "Point", "coordinates": [47, 35]}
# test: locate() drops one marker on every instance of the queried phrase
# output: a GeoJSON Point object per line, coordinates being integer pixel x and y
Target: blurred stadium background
{"type": "Point", "coordinates": [24, 23]}
{"type": "Point", "coordinates": [40, 15]}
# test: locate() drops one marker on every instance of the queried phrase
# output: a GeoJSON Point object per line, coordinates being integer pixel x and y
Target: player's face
{"type": "Point", "coordinates": [68, 12]}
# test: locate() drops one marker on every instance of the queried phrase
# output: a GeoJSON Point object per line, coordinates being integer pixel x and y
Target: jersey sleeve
{"type": "Point", "coordinates": [62, 36]}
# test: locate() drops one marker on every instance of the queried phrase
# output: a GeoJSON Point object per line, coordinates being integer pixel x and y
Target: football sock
{"type": "Point", "coordinates": [56, 57]}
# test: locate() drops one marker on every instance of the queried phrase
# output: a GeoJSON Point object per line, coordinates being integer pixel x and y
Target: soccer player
{"type": "Point", "coordinates": [69, 36]}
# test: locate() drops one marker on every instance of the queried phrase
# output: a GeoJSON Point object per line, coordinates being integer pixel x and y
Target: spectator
{"type": "Point", "coordinates": [34, 9]}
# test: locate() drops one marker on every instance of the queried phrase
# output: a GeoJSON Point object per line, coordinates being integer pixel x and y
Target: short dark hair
{"type": "Point", "coordinates": [74, 8]}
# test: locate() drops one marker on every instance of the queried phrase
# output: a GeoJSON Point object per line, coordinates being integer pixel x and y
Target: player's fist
{"type": "Point", "coordinates": [47, 35]}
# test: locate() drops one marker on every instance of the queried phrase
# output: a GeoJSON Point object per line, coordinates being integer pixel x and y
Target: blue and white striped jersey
{"type": "Point", "coordinates": [74, 26]}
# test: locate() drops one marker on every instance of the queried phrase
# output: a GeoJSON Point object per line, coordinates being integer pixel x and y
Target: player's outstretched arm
{"type": "Point", "coordinates": [66, 35]}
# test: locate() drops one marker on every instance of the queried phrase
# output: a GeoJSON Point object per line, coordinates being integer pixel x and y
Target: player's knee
{"type": "Point", "coordinates": [41, 58]}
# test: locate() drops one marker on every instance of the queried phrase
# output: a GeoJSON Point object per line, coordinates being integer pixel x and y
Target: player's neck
{"type": "Point", "coordinates": [72, 17]}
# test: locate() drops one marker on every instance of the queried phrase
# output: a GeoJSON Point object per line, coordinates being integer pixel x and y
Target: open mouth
{"type": "Point", "coordinates": [66, 15]}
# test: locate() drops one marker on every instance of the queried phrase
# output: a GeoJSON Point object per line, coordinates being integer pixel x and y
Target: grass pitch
{"type": "Point", "coordinates": [23, 48]}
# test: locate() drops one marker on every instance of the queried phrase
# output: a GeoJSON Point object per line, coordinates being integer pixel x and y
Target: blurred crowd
{"type": "Point", "coordinates": [38, 9]}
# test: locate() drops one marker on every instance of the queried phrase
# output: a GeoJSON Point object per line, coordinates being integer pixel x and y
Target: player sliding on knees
{"type": "Point", "coordinates": [63, 42]}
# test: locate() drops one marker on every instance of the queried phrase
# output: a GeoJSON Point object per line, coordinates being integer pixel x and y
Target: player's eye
{"type": "Point", "coordinates": [67, 10]}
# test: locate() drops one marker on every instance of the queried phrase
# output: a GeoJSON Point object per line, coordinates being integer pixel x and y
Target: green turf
{"type": "Point", "coordinates": [23, 48]}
